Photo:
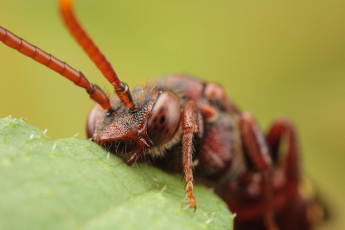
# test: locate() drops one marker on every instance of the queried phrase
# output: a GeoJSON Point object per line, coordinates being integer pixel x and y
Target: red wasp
{"type": "Point", "coordinates": [180, 123]}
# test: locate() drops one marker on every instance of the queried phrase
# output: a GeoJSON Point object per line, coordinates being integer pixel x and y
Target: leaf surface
{"type": "Point", "coordinates": [76, 184]}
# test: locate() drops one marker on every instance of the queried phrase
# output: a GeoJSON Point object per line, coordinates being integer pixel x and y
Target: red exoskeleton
{"type": "Point", "coordinates": [180, 123]}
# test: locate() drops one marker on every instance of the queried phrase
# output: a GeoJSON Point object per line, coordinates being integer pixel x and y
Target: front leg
{"type": "Point", "coordinates": [191, 125]}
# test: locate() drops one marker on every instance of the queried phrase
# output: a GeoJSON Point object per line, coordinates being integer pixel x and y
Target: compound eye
{"type": "Point", "coordinates": [164, 119]}
{"type": "Point", "coordinates": [91, 121]}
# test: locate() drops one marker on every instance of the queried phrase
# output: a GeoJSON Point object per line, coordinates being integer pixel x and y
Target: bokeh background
{"type": "Point", "coordinates": [275, 58]}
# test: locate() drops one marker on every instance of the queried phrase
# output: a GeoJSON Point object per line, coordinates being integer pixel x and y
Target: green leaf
{"type": "Point", "coordinates": [76, 184]}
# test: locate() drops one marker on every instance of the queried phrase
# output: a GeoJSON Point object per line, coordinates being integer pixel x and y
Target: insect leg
{"type": "Point", "coordinates": [191, 125]}
{"type": "Point", "coordinates": [282, 130]}
{"type": "Point", "coordinates": [256, 148]}
{"type": "Point", "coordinates": [281, 140]}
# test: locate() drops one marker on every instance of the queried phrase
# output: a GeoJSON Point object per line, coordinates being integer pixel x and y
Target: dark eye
{"type": "Point", "coordinates": [164, 119]}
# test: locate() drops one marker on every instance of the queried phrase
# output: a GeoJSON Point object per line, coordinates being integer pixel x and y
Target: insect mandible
{"type": "Point", "coordinates": [180, 123]}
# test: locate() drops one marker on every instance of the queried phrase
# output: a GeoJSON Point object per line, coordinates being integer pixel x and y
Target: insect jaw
{"type": "Point", "coordinates": [133, 143]}
{"type": "Point", "coordinates": [144, 143]}
{"type": "Point", "coordinates": [145, 140]}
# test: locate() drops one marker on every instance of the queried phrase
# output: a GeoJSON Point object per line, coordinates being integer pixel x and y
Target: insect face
{"type": "Point", "coordinates": [154, 123]}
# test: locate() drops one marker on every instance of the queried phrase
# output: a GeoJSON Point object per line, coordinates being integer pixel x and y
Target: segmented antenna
{"type": "Point", "coordinates": [84, 40]}
{"type": "Point", "coordinates": [55, 64]}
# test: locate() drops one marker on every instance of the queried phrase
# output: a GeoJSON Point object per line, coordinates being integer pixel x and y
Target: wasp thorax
{"type": "Point", "coordinates": [164, 119]}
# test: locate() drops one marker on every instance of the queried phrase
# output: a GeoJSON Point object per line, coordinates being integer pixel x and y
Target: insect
{"type": "Point", "coordinates": [180, 123]}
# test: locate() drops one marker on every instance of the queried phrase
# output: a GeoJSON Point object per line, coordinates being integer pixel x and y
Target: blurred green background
{"type": "Point", "coordinates": [274, 58]}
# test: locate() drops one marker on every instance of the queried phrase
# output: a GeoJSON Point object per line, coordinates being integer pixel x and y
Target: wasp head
{"type": "Point", "coordinates": [123, 131]}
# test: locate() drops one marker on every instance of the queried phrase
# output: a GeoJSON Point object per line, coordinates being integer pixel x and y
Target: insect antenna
{"type": "Point", "coordinates": [90, 48]}
{"type": "Point", "coordinates": [24, 47]}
